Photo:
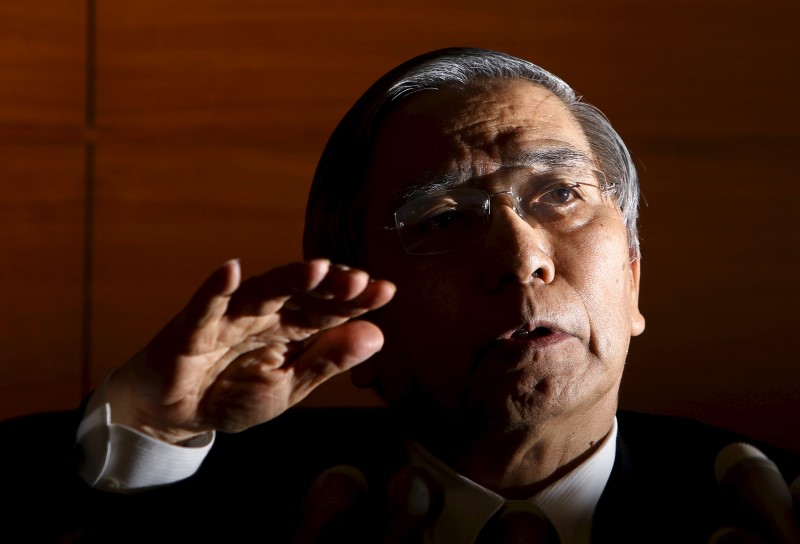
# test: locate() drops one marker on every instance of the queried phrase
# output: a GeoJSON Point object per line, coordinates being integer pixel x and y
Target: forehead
{"type": "Point", "coordinates": [470, 134]}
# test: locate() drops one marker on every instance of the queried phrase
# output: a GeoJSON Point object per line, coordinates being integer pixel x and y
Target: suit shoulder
{"type": "Point", "coordinates": [671, 441]}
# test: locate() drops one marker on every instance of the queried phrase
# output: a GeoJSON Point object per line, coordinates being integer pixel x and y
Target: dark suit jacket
{"type": "Point", "coordinates": [662, 487]}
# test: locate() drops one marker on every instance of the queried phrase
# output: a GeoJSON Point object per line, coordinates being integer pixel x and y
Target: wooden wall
{"type": "Point", "coordinates": [143, 142]}
{"type": "Point", "coordinates": [42, 207]}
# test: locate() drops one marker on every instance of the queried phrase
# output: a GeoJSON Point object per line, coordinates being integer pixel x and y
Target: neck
{"type": "Point", "coordinates": [517, 463]}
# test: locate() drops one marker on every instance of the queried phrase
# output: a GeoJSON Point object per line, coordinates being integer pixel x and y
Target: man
{"type": "Point", "coordinates": [502, 211]}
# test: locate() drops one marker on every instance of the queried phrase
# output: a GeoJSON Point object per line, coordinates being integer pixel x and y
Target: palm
{"type": "Point", "coordinates": [239, 355]}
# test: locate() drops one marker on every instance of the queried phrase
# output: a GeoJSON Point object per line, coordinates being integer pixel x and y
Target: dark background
{"type": "Point", "coordinates": [144, 142]}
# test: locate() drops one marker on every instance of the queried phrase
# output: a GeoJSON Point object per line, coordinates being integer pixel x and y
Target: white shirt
{"type": "Point", "coordinates": [122, 460]}
{"type": "Point", "coordinates": [569, 503]}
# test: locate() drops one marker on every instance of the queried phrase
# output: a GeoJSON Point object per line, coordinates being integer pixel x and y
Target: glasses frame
{"type": "Point", "coordinates": [604, 187]}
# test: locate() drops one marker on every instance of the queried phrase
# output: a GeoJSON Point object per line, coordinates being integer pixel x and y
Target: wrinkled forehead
{"type": "Point", "coordinates": [459, 135]}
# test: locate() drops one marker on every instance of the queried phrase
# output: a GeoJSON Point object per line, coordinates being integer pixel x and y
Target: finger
{"type": "Point", "coordinates": [304, 311]}
{"type": "Point", "coordinates": [207, 305]}
{"type": "Point", "coordinates": [330, 352]}
{"type": "Point", "coordinates": [261, 384]}
{"type": "Point", "coordinates": [210, 300]}
{"type": "Point", "coordinates": [372, 294]}
{"type": "Point", "coordinates": [341, 282]}
{"type": "Point", "coordinates": [297, 285]}
{"type": "Point", "coordinates": [334, 351]}
{"type": "Point", "coordinates": [266, 293]}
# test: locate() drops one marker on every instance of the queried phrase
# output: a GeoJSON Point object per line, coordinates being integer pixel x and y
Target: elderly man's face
{"type": "Point", "coordinates": [454, 341]}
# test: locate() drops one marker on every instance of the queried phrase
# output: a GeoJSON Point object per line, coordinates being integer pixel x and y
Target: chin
{"type": "Point", "coordinates": [470, 418]}
{"type": "Point", "coordinates": [522, 412]}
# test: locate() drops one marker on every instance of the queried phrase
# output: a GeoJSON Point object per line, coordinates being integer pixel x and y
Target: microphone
{"type": "Point", "coordinates": [734, 535]}
{"type": "Point", "coordinates": [336, 494]}
{"type": "Point", "coordinates": [749, 475]}
{"type": "Point", "coordinates": [415, 500]}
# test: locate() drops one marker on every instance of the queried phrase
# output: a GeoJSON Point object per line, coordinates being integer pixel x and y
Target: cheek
{"type": "Point", "coordinates": [422, 328]}
{"type": "Point", "coordinates": [427, 289]}
{"type": "Point", "coordinates": [604, 284]}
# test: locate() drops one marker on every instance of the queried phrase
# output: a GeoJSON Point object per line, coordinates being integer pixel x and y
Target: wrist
{"type": "Point", "coordinates": [127, 408]}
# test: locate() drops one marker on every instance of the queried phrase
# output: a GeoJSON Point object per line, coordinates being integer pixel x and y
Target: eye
{"type": "Point", "coordinates": [560, 194]}
{"type": "Point", "coordinates": [440, 221]}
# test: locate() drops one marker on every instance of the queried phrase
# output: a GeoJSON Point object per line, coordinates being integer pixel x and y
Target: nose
{"type": "Point", "coordinates": [515, 252]}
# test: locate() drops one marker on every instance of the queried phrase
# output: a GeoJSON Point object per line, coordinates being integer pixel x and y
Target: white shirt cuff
{"type": "Point", "coordinates": [120, 459]}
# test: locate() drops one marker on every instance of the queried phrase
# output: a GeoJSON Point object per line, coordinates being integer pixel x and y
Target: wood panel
{"type": "Point", "coordinates": [42, 59]}
{"type": "Point", "coordinates": [210, 115]}
{"type": "Point", "coordinates": [720, 235]}
{"type": "Point", "coordinates": [168, 214]}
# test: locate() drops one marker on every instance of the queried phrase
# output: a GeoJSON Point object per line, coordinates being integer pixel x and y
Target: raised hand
{"type": "Point", "coordinates": [241, 353]}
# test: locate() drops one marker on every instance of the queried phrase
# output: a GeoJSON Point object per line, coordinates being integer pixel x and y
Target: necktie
{"type": "Point", "coordinates": [518, 522]}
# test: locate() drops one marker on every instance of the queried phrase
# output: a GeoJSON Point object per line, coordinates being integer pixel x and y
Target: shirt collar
{"type": "Point", "coordinates": [569, 502]}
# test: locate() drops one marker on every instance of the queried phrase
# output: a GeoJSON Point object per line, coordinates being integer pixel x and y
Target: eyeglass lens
{"type": "Point", "coordinates": [560, 199]}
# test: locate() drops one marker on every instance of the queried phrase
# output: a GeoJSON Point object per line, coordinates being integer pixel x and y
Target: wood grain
{"type": "Point", "coordinates": [42, 149]}
{"type": "Point", "coordinates": [210, 115]}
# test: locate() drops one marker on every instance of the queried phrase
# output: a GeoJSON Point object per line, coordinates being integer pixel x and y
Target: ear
{"type": "Point", "coordinates": [637, 319]}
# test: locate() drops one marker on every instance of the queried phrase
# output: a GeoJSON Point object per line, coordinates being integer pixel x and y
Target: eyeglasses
{"type": "Point", "coordinates": [561, 199]}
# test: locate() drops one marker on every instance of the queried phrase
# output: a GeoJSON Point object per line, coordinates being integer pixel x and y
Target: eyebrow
{"type": "Point", "coordinates": [542, 157]}
{"type": "Point", "coordinates": [549, 156]}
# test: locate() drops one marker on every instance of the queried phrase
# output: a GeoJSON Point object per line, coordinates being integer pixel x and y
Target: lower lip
{"type": "Point", "coordinates": [537, 342]}
{"type": "Point", "coordinates": [514, 353]}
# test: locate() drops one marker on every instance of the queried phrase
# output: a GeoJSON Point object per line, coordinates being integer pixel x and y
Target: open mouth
{"type": "Point", "coordinates": [538, 332]}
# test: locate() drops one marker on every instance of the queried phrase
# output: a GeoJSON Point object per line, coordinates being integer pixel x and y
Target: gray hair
{"type": "Point", "coordinates": [334, 215]}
